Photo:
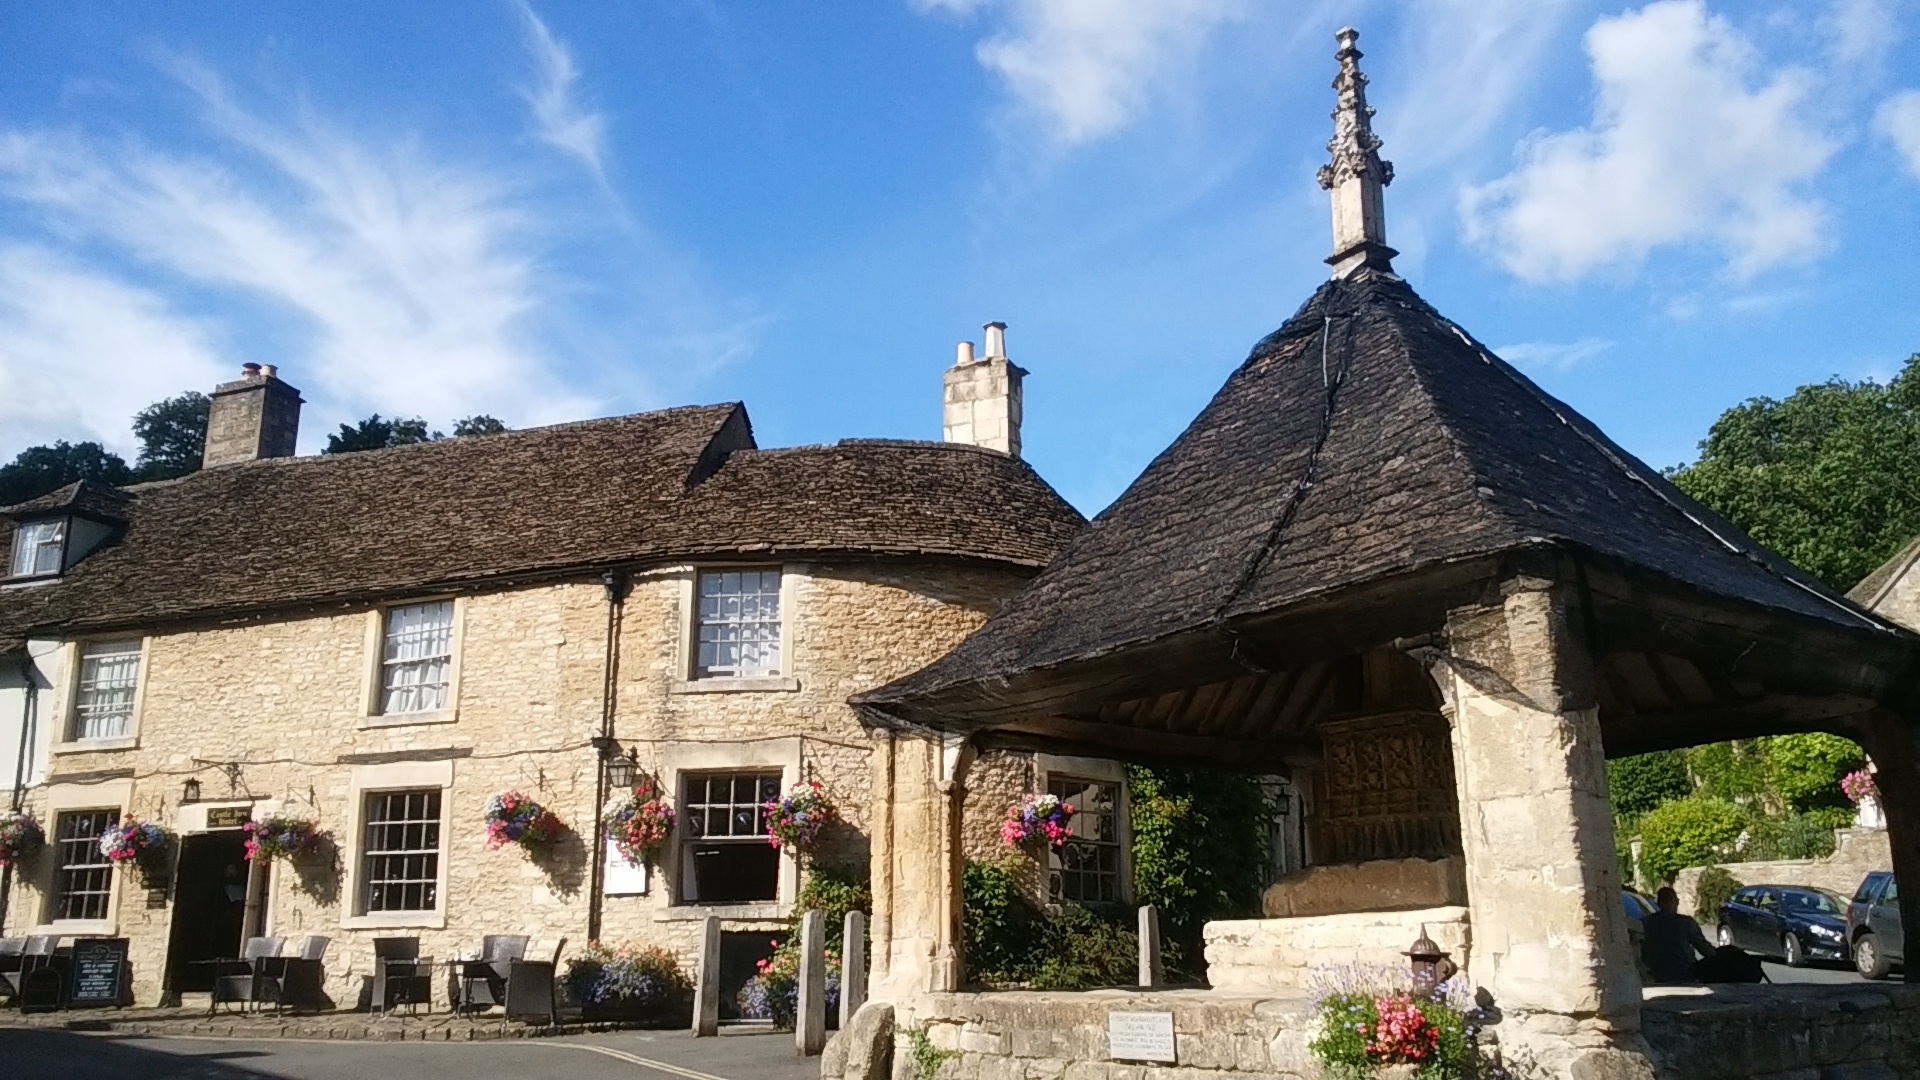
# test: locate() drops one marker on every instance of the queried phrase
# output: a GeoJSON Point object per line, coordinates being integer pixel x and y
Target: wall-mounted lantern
{"type": "Point", "coordinates": [622, 769]}
{"type": "Point", "coordinates": [190, 791]}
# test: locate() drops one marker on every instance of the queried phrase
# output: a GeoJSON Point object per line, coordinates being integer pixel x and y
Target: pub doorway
{"type": "Point", "coordinates": [209, 907]}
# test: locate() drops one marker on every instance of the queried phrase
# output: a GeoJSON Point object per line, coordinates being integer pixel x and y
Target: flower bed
{"type": "Point", "coordinates": [774, 993]}
{"type": "Point", "coordinates": [624, 982]}
{"type": "Point", "coordinates": [280, 836]}
{"type": "Point", "coordinates": [513, 818]}
{"type": "Point", "coordinates": [796, 819]}
{"type": "Point", "coordinates": [641, 824]}
{"type": "Point", "coordinates": [1034, 819]}
{"type": "Point", "coordinates": [1369, 1025]}
{"type": "Point", "coordinates": [20, 838]}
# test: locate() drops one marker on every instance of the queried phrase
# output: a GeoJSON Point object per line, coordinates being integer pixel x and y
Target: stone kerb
{"type": "Point", "coordinates": [1264, 955]}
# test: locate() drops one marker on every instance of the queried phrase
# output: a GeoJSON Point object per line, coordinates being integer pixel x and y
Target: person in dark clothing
{"type": "Point", "coordinates": [1670, 941]}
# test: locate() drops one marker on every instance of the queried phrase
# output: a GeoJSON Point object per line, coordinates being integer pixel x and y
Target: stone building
{"type": "Point", "coordinates": [382, 641]}
{"type": "Point", "coordinates": [1382, 562]}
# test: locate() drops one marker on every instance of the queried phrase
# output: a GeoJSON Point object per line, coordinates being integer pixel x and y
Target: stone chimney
{"type": "Point", "coordinates": [1357, 177]}
{"type": "Point", "coordinates": [983, 396]}
{"type": "Point", "coordinates": [255, 416]}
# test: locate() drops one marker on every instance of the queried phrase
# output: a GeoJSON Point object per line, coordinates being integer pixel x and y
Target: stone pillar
{"type": "Point", "coordinates": [706, 981]}
{"type": "Point", "coordinates": [1893, 741]}
{"type": "Point", "coordinates": [1549, 936]}
{"type": "Point", "coordinates": [853, 966]}
{"type": "Point", "coordinates": [1151, 972]}
{"type": "Point", "coordinates": [917, 866]}
{"type": "Point", "coordinates": [810, 1014]}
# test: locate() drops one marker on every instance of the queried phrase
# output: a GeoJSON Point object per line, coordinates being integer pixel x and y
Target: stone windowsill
{"type": "Point", "coordinates": [89, 746]}
{"type": "Point", "coordinates": [396, 920]}
{"type": "Point", "coordinates": [725, 912]}
{"type": "Point", "coordinates": [408, 719]}
{"type": "Point", "coordinates": [766, 684]}
{"type": "Point", "coordinates": [78, 928]}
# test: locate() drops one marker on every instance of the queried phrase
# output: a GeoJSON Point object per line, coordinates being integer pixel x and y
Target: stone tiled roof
{"type": "Point", "coordinates": [1366, 438]}
{"type": "Point", "coordinates": [661, 486]}
{"type": "Point", "coordinates": [89, 498]}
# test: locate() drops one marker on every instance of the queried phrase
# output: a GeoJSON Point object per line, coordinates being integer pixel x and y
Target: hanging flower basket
{"type": "Point", "coordinates": [1859, 786]}
{"type": "Point", "coordinates": [796, 819]}
{"type": "Point", "coordinates": [141, 843]}
{"type": "Point", "coordinates": [640, 825]}
{"type": "Point", "coordinates": [1035, 819]}
{"type": "Point", "coordinates": [513, 818]}
{"type": "Point", "coordinates": [20, 838]}
{"type": "Point", "coordinates": [280, 836]}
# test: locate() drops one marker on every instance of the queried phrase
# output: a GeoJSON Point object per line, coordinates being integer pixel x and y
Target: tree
{"type": "Point", "coordinates": [1640, 783]}
{"type": "Point", "coordinates": [40, 469]}
{"type": "Point", "coordinates": [1828, 477]}
{"type": "Point", "coordinates": [477, 425]}
{"type": "Point", "coordinates": [173, 436]}
{"type": "Point", "coordinates": [1688, 832]}
{"type": "Point", "coordinates": [378, 433]}
{"type": "Point", "coordinates": [1804, 771]}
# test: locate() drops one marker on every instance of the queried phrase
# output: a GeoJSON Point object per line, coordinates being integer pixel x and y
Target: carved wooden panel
{"type": "Point", "coordinates": [1387, 790]}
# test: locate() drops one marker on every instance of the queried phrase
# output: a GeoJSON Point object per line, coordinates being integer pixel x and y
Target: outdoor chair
{"type": "Point", "coordinates": [529, 990]}
{"type": "Point", "coordinates": [244, 980]}
{"type": "Point", "coordinates": [483, 981]}
{"type": "Point", "coordinates": [401, 976]}
{"type": "Point", "coordinates": [294, 980]}
{"type": "Point", "coordinates": [12, 956]}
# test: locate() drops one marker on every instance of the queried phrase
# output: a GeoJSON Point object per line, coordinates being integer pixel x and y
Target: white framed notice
{"type": "Point", "coordinates": [1140, 1036]}
{"type": "Point", "coordinates": [622, 878]}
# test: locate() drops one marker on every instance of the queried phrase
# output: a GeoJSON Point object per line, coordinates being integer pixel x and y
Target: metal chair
{"type": "Point", "coordinates": [12, 952]}
{"type": "Point", "coordinates": [245, 980]}
{"type": "Point", "coordinates": [529, 989]}
{"type": "Point", "coordinates": [401, 976]}
{"type": "Point", "coordinates": [295, 980]}
{"type": "Point", "coordinates": [483, 981]}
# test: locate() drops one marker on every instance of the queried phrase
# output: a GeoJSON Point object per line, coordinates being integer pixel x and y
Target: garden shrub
{"type": "Point", "coordinates": [1688, 832]}
{"type": "Point", "coordinates": [1003, 930]}
{"type": "Point", "coordinates": [1790, 836]}
{"type": "Point", "coordinates": [1199, 850]}
{"type": "Point", "coordinates": [1716, 887]}
{"type": "Point", "coordinates": [647, 979]}
{"type": "Point", "coordinates": [1638, 784]}
{"type": "Point", "coordinates": [1086, 948]}
{"type": "Point", "coordinates": [774, 991]}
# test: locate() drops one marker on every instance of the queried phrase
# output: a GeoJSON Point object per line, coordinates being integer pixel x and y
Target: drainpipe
{"type": "Point", "coordinates": [616, 582]}
{"type": "Point", "coordinates": [31, 696]}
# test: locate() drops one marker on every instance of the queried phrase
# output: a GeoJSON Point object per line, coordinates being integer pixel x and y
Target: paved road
{"type": "Point", "coordinates": [1781, 973]}
{"type": "Point", "coordinates": [42, 1054]}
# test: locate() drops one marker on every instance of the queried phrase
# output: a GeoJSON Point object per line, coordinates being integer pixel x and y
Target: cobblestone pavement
{"type": "Point", "coordinates": [49, 1053]}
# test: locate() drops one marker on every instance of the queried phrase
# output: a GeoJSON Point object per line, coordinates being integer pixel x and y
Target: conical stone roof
{"type": "Point", "coordinates": [1368, 437]}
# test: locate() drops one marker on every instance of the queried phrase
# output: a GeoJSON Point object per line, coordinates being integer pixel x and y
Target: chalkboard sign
{"type": "Point", "coordinates": [99, 968]}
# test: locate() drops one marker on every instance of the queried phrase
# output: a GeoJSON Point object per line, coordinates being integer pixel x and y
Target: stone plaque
{"type": "Point", "coordinates": [1140, 1036]}
{"type": "Point", "coordinates": [228, 817]}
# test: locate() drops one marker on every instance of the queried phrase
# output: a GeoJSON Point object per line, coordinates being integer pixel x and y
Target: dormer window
{"type": "Point", "coordinates": [38, 547]}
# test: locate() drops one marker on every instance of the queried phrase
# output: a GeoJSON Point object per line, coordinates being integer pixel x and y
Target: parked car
{"type": "Point", "coordinates": [1873, 926]}
{"type": "Point", "coordinates": [1791, 922]}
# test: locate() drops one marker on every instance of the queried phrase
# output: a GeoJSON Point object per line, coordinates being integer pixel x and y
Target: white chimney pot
{"type": "Point", "coordinates": [963, 354]}
{"type": "Point", "coordinates": [996, 340]}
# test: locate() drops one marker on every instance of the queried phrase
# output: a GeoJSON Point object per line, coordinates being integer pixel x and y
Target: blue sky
{"type": "Point", "coordinates": [553, 210]}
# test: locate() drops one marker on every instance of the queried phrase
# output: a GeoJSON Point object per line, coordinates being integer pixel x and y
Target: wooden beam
{"type": "Point", "coordinates": [1140, 744]}
{"type": "Point", "coordinates": [1778, 714]}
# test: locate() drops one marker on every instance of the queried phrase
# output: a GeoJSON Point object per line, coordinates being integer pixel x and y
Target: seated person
{"type": "Point", "coordinates": [1672, 942]}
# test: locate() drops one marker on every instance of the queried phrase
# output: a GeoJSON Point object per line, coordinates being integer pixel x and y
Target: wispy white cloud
{"type": "Point", "coordinates": [1899, 120]}
{"type": "Point", "coordinates": [562, 122]}
{"type": "Point", "coordinates": [1691, 142]}
{"type": "Point", "coordinates": [1553, 355]}
{"type": "Point", "coordinates": [81, 353]}
{"type": "Point", "coordinates": [410, 279]}
{"type": "Point", "coordinates": [1861, 31]}
{"type": "Point", "coordinates": [1088, 68]}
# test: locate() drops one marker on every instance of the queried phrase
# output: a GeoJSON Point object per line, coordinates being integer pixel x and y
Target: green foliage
{"type": "Point", "coordinates": [1348, 1018]}
{"type": "Point", "coordinates": [1688, 832]}
{"type": "Point", "coordinates": [1716, 887]}
{"type": "Point", "coordinates": [477, 425]}
{"type": "Point", "coordinates": [1638, 784]}
{"type": "Point", "coordinates": [173, 436]}
{"type": "Point", "coordinates": [832, 891]}
{"type": "Point", "coordinates": [1788, 836]}
{"type": "Point", "coordinates": [1828, 477]}
{"type": "Point", "coordinates": [1199, 847]}
{"type": "Point", "coordinates": [925, 1056]}
{"type": "Point", "coordinates": [1733, 771]}
{"type": "Point", "coordinates": [1003, 930]}
{"type": "Point", "coordinates": [1084, 949]}
{"type": "Point", "coordinates": [1804, 771]}
{"type": "Point", "coordinates": [41, 469]}
{"type": "Point", "coordinates": [378, 433]}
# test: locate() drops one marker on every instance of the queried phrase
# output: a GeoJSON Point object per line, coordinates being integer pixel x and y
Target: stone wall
{"type": "Point", "coordinates": [1765, 1032]}
{"type": "Point", "coordinates": [1856, 853]}
{"type": "Point", "coordinates": [1269, 955]}
{"type": "Point", "coordinates": [287, 700]}
{"type": "Point", "coordinates": [1377, 885]}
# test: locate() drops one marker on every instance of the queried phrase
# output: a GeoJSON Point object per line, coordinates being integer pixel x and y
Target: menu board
{"type": "Point", "coordinates": [99, 967]}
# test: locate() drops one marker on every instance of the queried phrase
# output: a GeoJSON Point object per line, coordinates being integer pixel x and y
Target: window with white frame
{"type": "Point", "coordinates": [82, 877]}
{"type": "Point", "coordinates": [416, 658]}
{"type": "Point", "coordinates": [103, 696]}
{"type": "Point", "coordinates": [38, 547]}
{"type": "Point", "coordinates": [737, 624]}
{"type": "Point", "coordinates": [724, 854]}
{"type": "Point", "coordinates": [1086, 868]}
{"type": "Point", "coordinates": [400, 853]}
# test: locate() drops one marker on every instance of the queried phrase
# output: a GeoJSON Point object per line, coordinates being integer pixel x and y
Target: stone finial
{"type": "Point", "coordinates": [1357, 175]}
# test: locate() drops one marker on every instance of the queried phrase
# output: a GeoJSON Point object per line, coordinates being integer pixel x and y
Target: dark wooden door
{"type": "Point", "coordinates": [209, 906]}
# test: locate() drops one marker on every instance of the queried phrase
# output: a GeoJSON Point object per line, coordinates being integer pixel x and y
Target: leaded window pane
{"type": "Point", "coordinates": [738, 624]}
{"type": "Point", "coordinates": [37, 547]}
{"type": "Point", "coordinates": [402, 851]}
{"type": "Point", "coordinates": [103, 702]}
{"type": "Point", "coordinates": [83, 877]}
{"type": "Point", "coordinates": [417, 658]}
{"type": "Point", "coordinates": [1086, 868]}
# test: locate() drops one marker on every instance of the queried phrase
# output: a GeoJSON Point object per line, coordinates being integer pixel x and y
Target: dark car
{"type": "Point", "coordinates": [1793, 923]}
{"type": "Point", "coordinates": [1873, 926]}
